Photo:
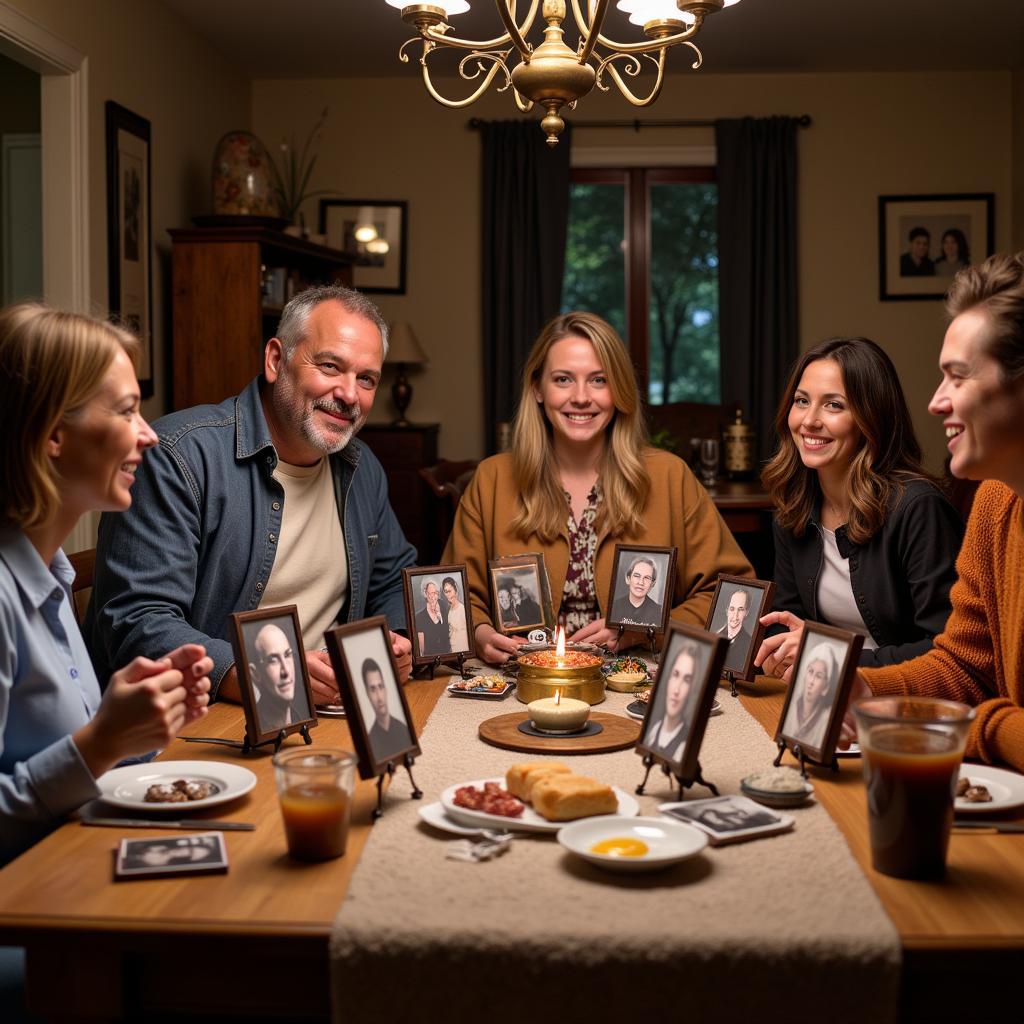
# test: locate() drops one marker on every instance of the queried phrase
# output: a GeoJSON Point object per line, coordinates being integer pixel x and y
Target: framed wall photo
{"type": "Point", "coordinates": [823, 672]}
{"type": "Point", "coordinates": [129, 231]}
{"type": "Point", "coordinates": [643, 581]}
{"type": "Point", "coordinates": [735, 614]}
{"type": "Point", "coordinates": [680, 704]}
{"type": "Point", "coordinates": [378, 713]}
{"type": "Point", "coordinates": [373, 233]}
{"type": "Point", "coordinates": [520, 593]}
{"type": "Point", "coordinates": [436, 612]}
{"type": "Point", "coordinates": [924, 240]}
{"type": "Point", "coordinates": [269, 656]}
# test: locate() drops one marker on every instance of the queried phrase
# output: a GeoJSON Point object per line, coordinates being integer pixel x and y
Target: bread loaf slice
{"type": "Point", "coordinates": [559, 797]}
{"type": "Point", "coordinates": [521, 778]}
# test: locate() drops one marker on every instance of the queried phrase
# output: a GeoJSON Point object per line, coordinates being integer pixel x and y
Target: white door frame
{"type": "Point", "coordinates": [64, 128]}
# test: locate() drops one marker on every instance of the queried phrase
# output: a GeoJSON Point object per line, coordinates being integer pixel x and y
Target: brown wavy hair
{"type": "Point", "coordinates": [888, 456]}
{"type": "Point", "coordinates": [54, 363]}
{"type": "Point", "coordinates": [625, 482]}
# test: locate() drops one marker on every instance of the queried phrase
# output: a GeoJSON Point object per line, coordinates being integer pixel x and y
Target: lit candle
{"type": "Point", "coordinates": [553, 714]}
{"type": "Point", "coordinates": [560, 647]}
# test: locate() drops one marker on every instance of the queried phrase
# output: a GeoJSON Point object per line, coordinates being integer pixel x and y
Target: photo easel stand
{"type": "Point", "coordinates": [417, 793]}
{"type": "Point", "coordinates": [804, 760]}
{"type": "Point", "coordinates": [247, 745]}
{"type": "Point", "coordinates": [684, 784]}
{"type": "Point", "coordinates": [730, 677]}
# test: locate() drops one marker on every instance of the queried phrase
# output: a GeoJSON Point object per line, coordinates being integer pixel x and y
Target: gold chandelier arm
{"type": "Point", "coordinates": [524, 105]}
{"type": "Point", "coordinates": [643, 47]}
{"type": "Point", "coordinates": [498, 64]}
{"type": "Point", "coordinates": [507, 17]}
{"type": "Point", "coordinates": [633, 70]}
{"type": "Point", "coordinates": [592, 34]}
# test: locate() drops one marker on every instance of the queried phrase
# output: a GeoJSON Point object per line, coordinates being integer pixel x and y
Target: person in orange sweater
{"type": "Point", "coordinates": [979, 657]}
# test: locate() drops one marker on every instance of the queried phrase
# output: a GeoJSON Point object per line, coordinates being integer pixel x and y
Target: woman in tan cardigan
{"type": "Point", "coordinates": [579, 479]}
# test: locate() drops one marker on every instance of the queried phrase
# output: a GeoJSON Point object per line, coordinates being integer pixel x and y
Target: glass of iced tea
{"type": "Point", "coordinates": [315, 790]}
{"type": "Point", "coordinates": [912, 748]}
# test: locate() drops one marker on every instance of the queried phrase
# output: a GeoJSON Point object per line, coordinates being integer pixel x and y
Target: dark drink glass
{"type": "Point", "coordinates": [912, 749]}
{"type": "Point", "coordinates": [315, 792]}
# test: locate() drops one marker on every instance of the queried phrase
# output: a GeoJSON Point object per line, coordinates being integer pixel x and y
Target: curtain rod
{"type": "Point", "coordinates": [804, 121]}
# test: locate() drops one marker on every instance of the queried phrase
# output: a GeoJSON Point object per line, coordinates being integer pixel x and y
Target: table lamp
{"type": "Point", "coordinates": [405, 349]}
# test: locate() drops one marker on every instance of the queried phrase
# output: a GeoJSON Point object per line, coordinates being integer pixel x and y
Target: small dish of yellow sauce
{"type": "Point", "coordinates": [621, 846]}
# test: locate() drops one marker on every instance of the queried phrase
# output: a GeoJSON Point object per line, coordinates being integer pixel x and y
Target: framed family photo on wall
{"type": "Point", "coordinates": [373, 233]}
{"type": "Point", "coordinates": [924, 240]}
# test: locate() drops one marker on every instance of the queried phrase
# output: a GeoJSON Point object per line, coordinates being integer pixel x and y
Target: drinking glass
{"type": "Point", "coordinates": [912, 748]}
{"type": "Point", "coordinates": [315, 790]}
{"type": "Point", "coordinates": [709, 461]}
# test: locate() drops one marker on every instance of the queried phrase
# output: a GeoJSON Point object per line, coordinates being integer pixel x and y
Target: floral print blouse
{"type": "Point", "coordinates": [579, 597]}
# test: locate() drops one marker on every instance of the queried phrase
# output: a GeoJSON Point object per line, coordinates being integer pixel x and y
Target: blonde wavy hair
{"type": "Point", "coordinates": [625, 482]}
{"type": "Point", "coordinates": [54, 363]}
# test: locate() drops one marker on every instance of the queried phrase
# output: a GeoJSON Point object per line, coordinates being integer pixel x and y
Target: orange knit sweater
{"type": "Point", "coordinates": [979, 657]}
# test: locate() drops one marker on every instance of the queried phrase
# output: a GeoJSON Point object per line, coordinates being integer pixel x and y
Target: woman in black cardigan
{"type": "Point", "coordinates": [864, 538]}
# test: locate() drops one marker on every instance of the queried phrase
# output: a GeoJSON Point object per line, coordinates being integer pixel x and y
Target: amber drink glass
{"type": "Point", "coordinates": [315, 790]}
{"type": "Point", "coordinates": [912, 748]}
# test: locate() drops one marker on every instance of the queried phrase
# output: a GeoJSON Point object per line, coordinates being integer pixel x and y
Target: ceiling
{"type": "Point", "coordinates": [360, 38]}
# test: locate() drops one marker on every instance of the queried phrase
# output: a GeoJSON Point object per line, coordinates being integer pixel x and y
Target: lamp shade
{"type": "Point", "coordinates": [405, 346]}
{"type": "Point", "coordinates": [643, 11]}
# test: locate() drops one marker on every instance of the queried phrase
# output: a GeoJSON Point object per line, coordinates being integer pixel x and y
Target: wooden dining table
{"type": "Point", "coordinates": [254, 942]}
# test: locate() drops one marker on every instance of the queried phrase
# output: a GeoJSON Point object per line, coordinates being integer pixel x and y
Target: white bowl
{"type": "Point", "coordinates": [668, 842]}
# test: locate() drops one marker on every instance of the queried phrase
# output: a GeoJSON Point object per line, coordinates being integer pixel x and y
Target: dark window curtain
{"type": "Point", "coordinates": [757, 266]}
{"type": "Point", "coordinates": [525, 220]}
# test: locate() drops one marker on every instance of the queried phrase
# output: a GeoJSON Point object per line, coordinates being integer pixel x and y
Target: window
{"type": "Point", "coordinates": [643, 253]}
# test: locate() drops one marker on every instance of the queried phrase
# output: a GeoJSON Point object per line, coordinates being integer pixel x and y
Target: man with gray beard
{"type": "Point", "coordinates": [263, 500]}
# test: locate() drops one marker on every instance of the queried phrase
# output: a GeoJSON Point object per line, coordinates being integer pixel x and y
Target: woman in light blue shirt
{"type": "Point", "coordinates": [71, 437]}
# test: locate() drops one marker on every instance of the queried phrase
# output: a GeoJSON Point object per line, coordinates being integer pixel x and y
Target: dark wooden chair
{"type": "Point", "coordinates": [84, 564]}
{"type": "Point", "coordinates": [446, 480]}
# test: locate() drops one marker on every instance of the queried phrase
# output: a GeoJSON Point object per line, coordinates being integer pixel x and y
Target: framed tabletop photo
{"type": "Point", "coordinates": [436, 612]}
{"type": "Point", "coordinates": [924, 240]}
{"type": "Point", "coordinates": [372, 232]}
{"type": "Point", "coordinates": [681, 699]}
{"type": "Point", "coordinates": [378, 713]}
{"type": "Point", "coordinates": [735, 614]}
{"type": "Point", "coordinates": [277, 697]}
{"type": "Point", "coordinates": [643, 581]}
{"type": "Point", "coordinates": [520, 593]}
{"type": "Point", "coordinates": [823, 671]}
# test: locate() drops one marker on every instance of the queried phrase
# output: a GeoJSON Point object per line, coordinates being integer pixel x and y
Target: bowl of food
{"type": "Point", "coordinates": [618, 843]}
{"type": "Point", "coordinates": [777, 787]}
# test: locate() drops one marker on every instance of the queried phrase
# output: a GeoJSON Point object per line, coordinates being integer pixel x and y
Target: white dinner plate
{"type": "Point", "coordinates": [716, 709]}
{"type": "Point", "coordinates": [1006, 787]}
{"type": "Point", "coordinates": [529, 820]}
{"type": "Point", "coordinates": [434, 814]}
{"type": "Point", "coordinates": [667, 842]}
{"type": "Point", "coordinates": [126, 786]}
{"type": "Point", "coordinates": [853, 750]}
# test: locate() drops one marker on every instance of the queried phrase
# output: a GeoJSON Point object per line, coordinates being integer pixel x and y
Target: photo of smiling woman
{"type": "Point", "coordinates": [676, 695]}
{"type": "Point", "coordinates": [864, 538]}
{"type": "Point", "coordinates": [579, 479]}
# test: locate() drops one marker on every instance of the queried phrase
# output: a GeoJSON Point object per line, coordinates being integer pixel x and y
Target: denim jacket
{"type": "Point", "coordinates": [199, 540]}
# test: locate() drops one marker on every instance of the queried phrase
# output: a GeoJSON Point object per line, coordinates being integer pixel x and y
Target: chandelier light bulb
{"type": "Point", "coordinates": [365, 232]}
{"type": "Point", "coordinates": [378, 246]}
{"type": "Point", "coordinates": [449, 7]}
{"type": "Point", "coordinates": [643, 11]}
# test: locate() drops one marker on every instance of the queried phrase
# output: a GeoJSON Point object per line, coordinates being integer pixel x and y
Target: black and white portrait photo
{"type": "Point", "coordinates": [726, 818]}
{"type": "Point", "coordinates": [736, 609]}
{"type": "Point", "coordinates": [435, 600]}
{"type": "Point", "coordinates": [519, 594]}
{"type": "Point", "coordinates": [150, 858]}
{"type": "Point", "coordinates": [642, 584]}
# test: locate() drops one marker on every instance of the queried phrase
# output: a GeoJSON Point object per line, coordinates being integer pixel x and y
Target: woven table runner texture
{"type": "Point", "coordinates": [781, 928]}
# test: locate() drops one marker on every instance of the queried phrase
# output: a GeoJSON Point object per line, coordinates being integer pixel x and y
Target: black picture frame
{"type": "Point", "coordinates": [742, 649]}
{"type": "Point", "coordinates": [529, 573]}
{"type": "Point", "coordinates": [663, 585]}
{"type": "Point", "coordinates": [815, 740]}
{"type": "Point", "coordinates": [266, 724]}
{"type": "Point", "coordinates": [414, 580]}
{"type": "Point", "coordinates": [351, 647]}
{"type": "Point", "coordinates": [130, 231]}
{"type": "Point", "coordinates": [373, 272]}
{"type": "Point", "coordinates": [681, 755]}
{"type": "Point", "coordinates": [968, 217]}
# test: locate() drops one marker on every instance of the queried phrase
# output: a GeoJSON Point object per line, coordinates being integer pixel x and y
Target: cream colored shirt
{"type": "Point", "coordinates": [311, 567]}
{"type": "Point", "coordinates": [835, 592]}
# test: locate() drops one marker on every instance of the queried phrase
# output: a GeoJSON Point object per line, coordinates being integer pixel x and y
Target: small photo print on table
{"type": "Point", "coordinates": [378, 713]}
{"type": "Point", "coordinates": [520, 594]}
{"type": "Point", "coordinates": [437, 613]}
{"type": "Point", "coordinates": [680, 704]}
{"type": "Point", "coordinates": [728, 819]}
{"type": "Point", "coordinates": [823, 672]}
{"type": "Point", "coordinates": [272, 675]}
{"type": "Point", "coordinates": [735, 614]}
{"type": "Point", "coordinates": [199, 854]}
{"type": "Point", "coordinates": [643, 581]}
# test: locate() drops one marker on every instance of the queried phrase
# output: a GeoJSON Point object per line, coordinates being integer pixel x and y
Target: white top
{"type": "Point", "coordinates": [836, 603]}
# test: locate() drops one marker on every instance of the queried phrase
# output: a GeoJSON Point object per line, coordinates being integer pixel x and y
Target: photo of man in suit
{"type": "Point", "coordinates": [734, 623]}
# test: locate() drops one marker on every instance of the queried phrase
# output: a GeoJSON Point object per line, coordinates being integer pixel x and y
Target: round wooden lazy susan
{"type": "Point", "coordinates": [616, 733]}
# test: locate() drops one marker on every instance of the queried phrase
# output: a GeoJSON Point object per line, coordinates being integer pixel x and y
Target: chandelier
{"type": "Point", "coordinates": [552, 74]}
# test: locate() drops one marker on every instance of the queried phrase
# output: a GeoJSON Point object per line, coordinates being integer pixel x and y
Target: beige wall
{"type": "Point", "coordinates": [144, 57]}
{"type": "Point", "coordinates": [872, 134]}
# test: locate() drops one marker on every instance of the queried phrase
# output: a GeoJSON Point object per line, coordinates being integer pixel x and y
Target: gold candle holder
{"type": "Point", "coordinates": [581, 682]}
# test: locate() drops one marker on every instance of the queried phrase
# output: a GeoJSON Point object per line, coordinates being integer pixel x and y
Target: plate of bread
{"type": "Point", "coordinates": [539, 796]}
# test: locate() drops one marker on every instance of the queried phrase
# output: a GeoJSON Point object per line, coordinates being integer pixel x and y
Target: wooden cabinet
{"type": "Point", "coordinates": [402, 451]}
{"type": "Point", "coordinates": [222, 317]}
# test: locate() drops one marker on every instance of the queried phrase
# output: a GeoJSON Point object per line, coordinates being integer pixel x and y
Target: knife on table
{"type": "Point", "coordinates": [205, 826]}
{"type": "Point", "coordinates": [991, 826]}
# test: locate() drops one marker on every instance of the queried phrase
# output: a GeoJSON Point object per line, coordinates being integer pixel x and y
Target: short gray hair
{"type": "Point", "coordinates": [292, 327]}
